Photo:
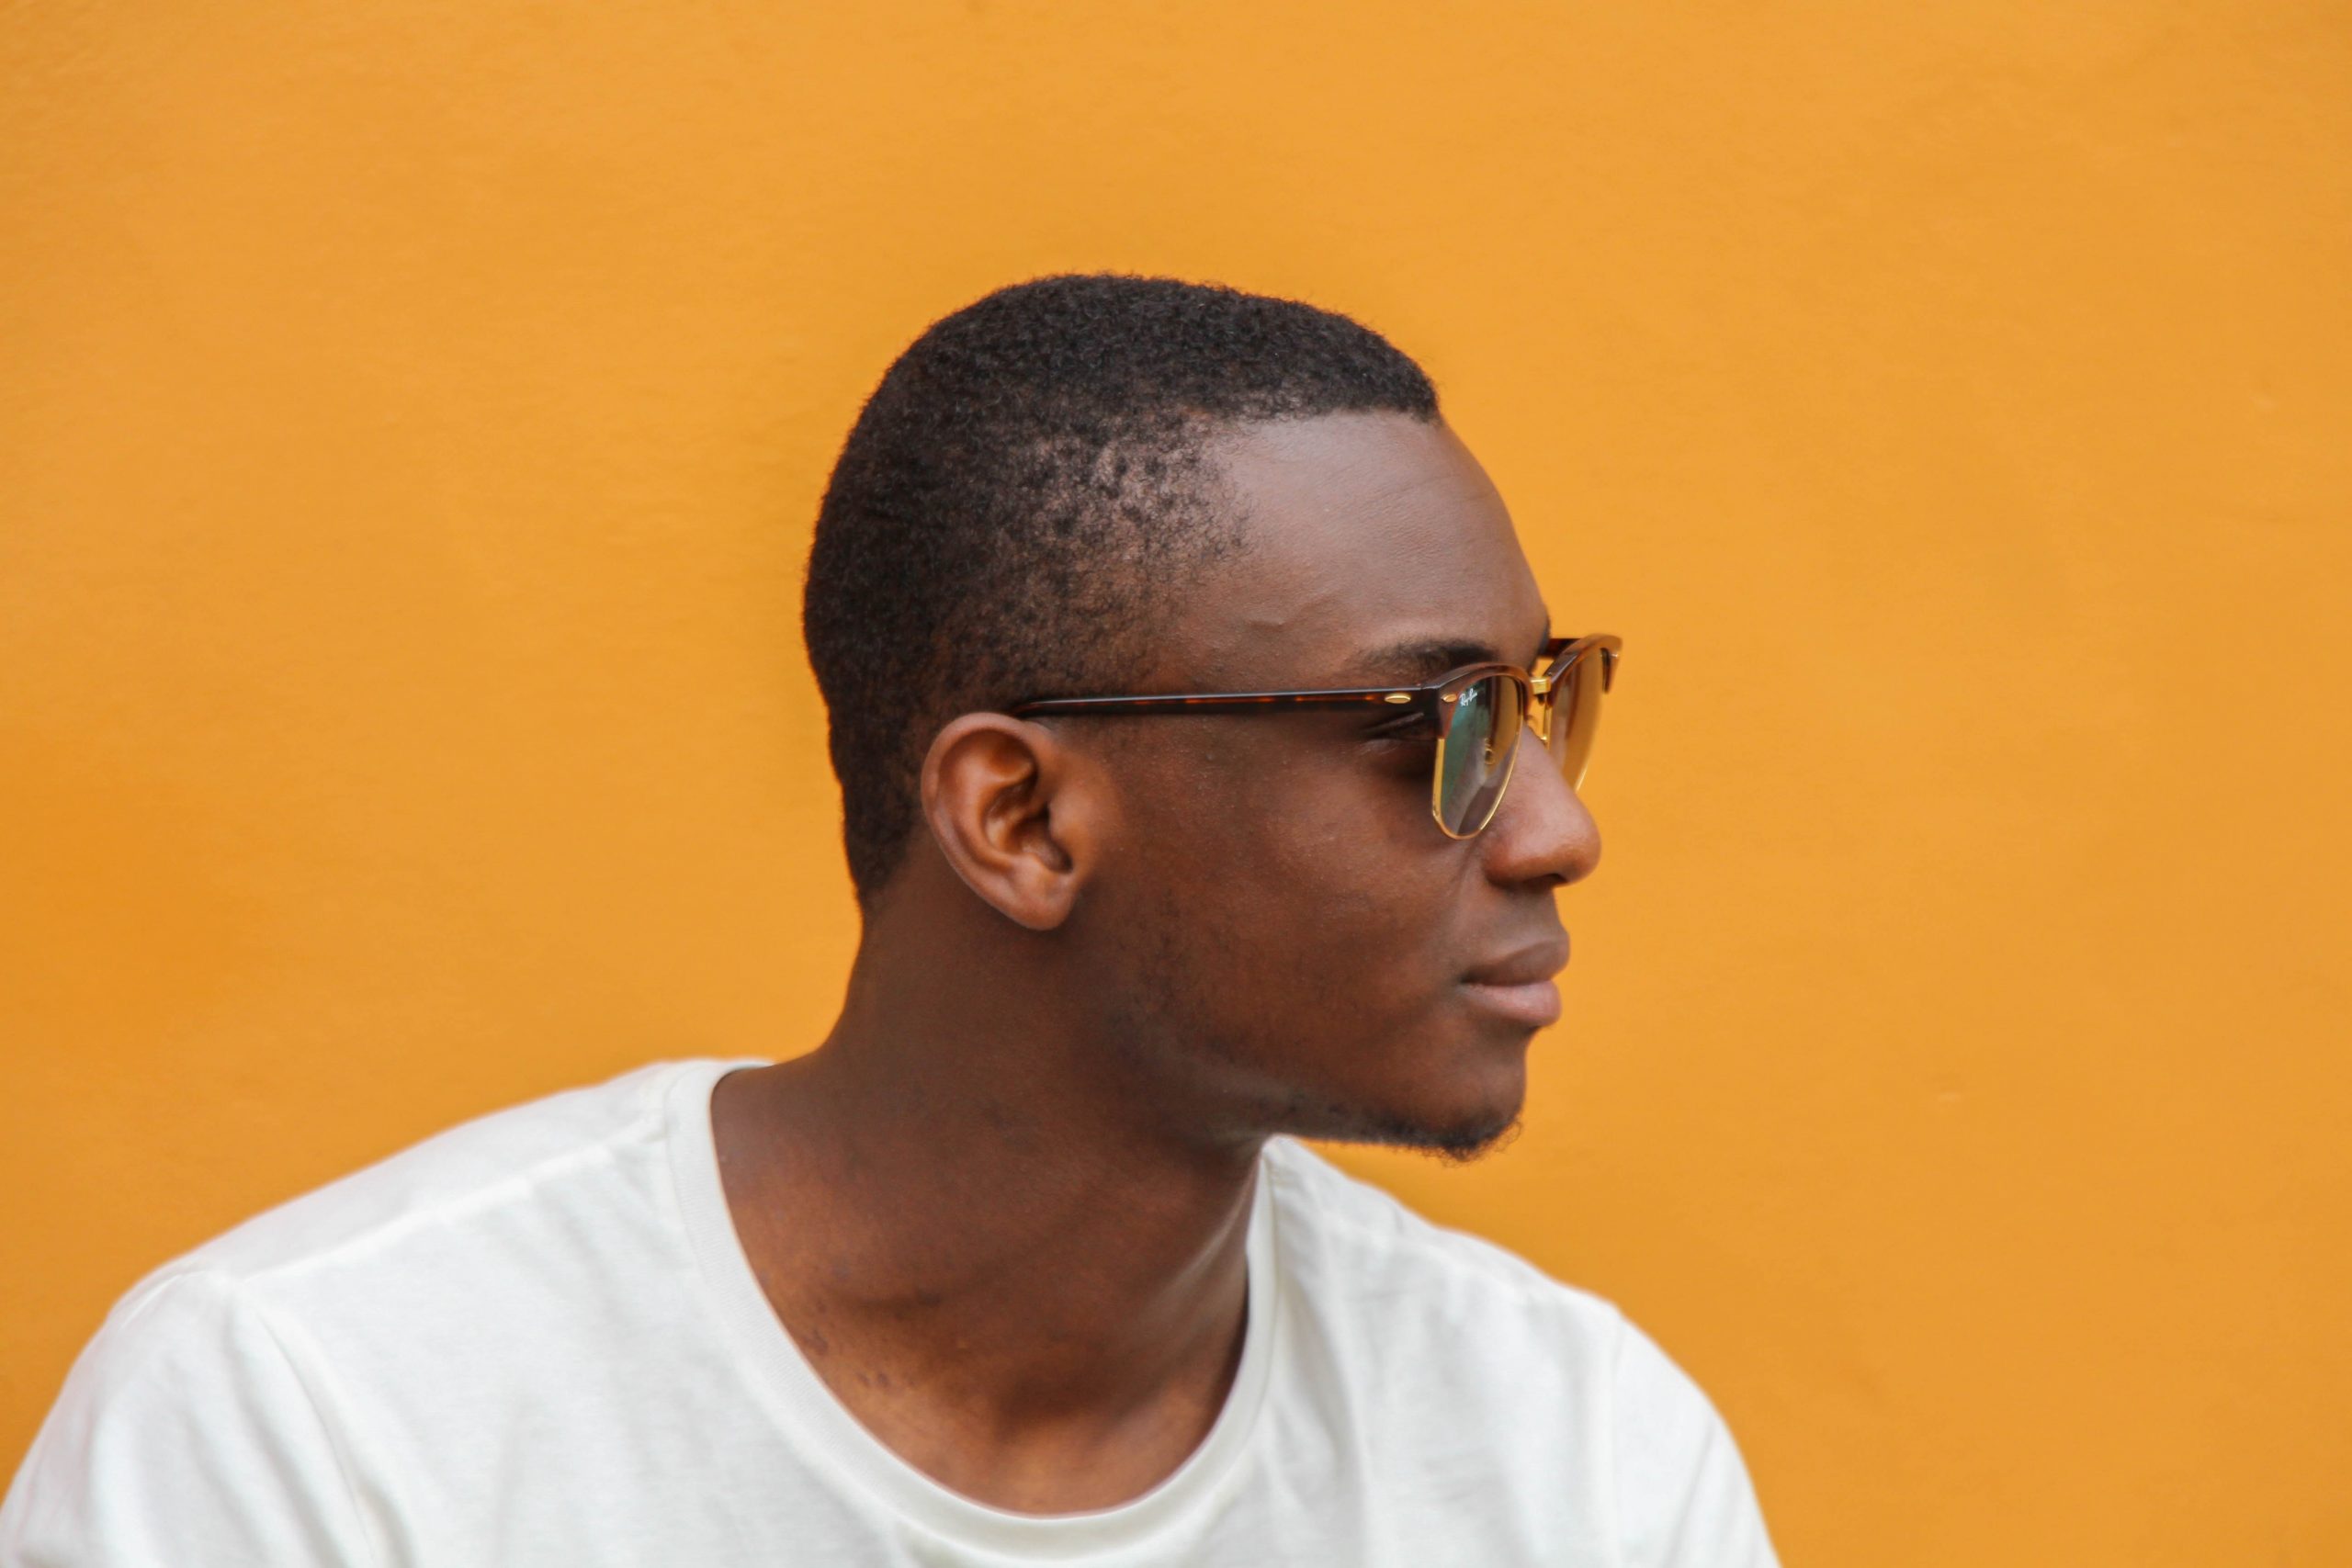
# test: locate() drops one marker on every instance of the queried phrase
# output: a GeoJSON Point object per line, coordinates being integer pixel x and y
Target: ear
{"type": "Point", "coordinates": [1017, 815]}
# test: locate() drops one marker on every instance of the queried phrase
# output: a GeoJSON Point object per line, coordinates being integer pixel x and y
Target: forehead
{"type": "Point", "coordinates": [1363, 532]}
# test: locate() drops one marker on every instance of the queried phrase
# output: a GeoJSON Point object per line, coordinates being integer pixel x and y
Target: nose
{"type": "Point", "coordinates": [1541, 833]}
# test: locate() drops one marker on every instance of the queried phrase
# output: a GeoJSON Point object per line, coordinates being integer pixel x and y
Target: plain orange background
{"type": "Point", "coordinates": [411, 419]}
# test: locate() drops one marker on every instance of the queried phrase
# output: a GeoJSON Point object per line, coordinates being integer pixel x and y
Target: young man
{"type": "Point", "coordinates": [1023, 1264]}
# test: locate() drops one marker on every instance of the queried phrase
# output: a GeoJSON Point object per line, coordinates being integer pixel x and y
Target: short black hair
{"type": "Point", "coordinates": [1024, 496]}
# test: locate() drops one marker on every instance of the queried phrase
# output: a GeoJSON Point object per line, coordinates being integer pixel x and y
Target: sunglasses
{"type": "Point", "coordinates": [1477, 711]}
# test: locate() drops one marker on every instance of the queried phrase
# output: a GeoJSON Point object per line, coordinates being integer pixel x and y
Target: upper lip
{"type": "Point", "coordinates": [1524, 966]}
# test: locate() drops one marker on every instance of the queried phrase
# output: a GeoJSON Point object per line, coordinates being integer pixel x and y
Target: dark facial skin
{"type": "Point", "coordinates": [1002, 1209]}
{"type": "Point", "coordinates": [1289, 930]}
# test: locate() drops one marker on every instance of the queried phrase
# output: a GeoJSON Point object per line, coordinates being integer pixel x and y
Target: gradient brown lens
{"type": "Point", "coordinates": [1576, 713]}
{"type": "Point", "coordinates": [1474, 759]}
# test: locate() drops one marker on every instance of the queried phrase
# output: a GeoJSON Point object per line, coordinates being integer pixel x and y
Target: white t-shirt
{"type": "Point", "coordinates": [535, 1339]}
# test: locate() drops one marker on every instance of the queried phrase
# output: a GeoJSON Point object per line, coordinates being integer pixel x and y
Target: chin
{"type": "Point", "coordinates": [1476, 1114]}
{"type": "Point", "coordinates": [1459, 1143]}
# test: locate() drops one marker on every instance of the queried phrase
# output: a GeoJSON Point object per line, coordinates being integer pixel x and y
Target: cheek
{"type": "Point", "coordinates": [1321, 888]}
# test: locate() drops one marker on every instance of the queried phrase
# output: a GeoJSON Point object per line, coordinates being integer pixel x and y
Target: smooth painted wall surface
{"type": "Point", "coordinates": [411, 418]}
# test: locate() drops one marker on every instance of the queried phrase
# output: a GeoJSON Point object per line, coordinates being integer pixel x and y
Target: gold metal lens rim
{"type": "Point", "coordinates": [1539, 708]}
{"type": "Point", "coordinates": [1527, 701]}
{"type": "Point", "coordinates": [1542, 704]}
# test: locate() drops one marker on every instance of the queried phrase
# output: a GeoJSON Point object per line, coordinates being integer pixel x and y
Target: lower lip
{"type": "Point", "coordinates": [1531, 1006]}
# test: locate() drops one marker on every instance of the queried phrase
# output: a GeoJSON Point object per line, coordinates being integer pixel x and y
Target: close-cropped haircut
{"type": "Point", "coordinates": [1027, 494]}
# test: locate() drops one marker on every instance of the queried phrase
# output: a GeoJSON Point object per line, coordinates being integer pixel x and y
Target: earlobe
{"type": "Point", "coordinates": [1010, 808]}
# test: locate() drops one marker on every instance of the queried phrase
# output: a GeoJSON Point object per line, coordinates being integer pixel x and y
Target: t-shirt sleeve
{"type": "Point", "coordinates": [1684, 1499]}
{"type": "Point", "coordinates": [184, 1435]}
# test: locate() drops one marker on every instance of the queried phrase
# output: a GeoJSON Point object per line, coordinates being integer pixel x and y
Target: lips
{"type": "Point", "coordinates": [1518, 986]}
{"type": "Point", "coordinates": [1538, 960]}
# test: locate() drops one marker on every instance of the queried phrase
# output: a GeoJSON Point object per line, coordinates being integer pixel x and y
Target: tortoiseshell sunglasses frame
{"type": "Point", "coordinates": [1435, 700]}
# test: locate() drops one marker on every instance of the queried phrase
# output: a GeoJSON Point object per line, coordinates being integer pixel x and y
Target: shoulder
{"type": "Point", "coordinates": [504, 1159]}
{"type": "Point", "coordinates": [188, 1385]}
{"type": "Point", "coordinates": [242, 1395]}
{"type": "Point", "coordinates": [217, 1401]}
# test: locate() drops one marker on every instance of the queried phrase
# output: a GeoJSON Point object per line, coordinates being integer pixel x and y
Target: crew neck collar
{"type": "Point", "coordinates": [827, 1433]}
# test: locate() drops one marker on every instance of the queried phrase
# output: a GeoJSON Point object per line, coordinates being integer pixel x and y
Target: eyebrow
{"type": "Point", "coordinates": [1416, 660]}
{"type": "Point", "coordinates": [1419, 658]}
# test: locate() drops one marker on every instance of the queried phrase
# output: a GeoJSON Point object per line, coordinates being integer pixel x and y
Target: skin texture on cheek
{"type": "Point", "coordinates": [1261, 951]}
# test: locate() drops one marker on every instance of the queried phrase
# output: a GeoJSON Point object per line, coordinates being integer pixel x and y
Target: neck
{"type": "Point", "coordinates": [964, 1194]}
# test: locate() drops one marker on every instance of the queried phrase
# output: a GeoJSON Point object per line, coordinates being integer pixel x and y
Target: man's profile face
{"type": "Point", "coordinates": [1280, 929]}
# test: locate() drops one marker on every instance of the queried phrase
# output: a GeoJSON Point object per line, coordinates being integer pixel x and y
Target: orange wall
{"type": "Point", "coordinates": [410, 422]}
